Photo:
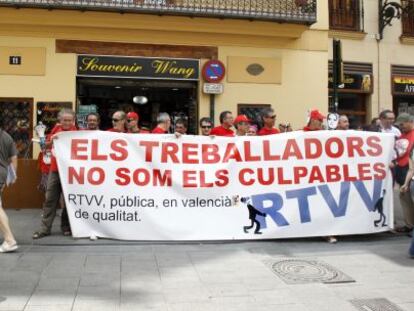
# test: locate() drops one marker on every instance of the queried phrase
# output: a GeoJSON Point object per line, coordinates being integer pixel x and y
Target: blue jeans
{"type": "Point", "coordinates": [412, 246]}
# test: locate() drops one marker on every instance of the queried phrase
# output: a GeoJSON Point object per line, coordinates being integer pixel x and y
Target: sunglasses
{"type": "Point", "coordinates": [131, 120]}
{"type": "Point", "coordinates": [115, 120]}
{"type": "Point", "coordinates": [206, 127]}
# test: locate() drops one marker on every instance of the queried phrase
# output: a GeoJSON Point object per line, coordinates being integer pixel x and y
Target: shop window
{"type": "Point", "coordinates": [16, 115]}
{"type": "Point", "coordinates": [407, 18]}
{"type": "Point", "coordinates": [47, 113]}
{"type": "Point", "coordinates": [346, 15]}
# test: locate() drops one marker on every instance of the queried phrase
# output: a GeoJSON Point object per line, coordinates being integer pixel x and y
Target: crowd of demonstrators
{"type": "Point", "coordinates": [403, 164]}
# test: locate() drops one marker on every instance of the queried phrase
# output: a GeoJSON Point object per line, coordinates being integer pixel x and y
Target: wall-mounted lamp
{"type": "Point", "coordinates": [387, 11]}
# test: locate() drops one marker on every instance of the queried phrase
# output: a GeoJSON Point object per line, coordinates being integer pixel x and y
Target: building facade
{"type": "Point", "coordinates": [378, 63]}
{"type": "Point", "coordinates": [97, 55]}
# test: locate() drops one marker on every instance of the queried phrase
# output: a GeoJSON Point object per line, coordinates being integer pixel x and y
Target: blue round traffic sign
{"type": "Point", "coordinates": [213, 71]}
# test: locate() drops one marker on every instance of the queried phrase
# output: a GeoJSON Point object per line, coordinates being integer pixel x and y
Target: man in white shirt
{"type": "Point", "coordinates": [387, 119]}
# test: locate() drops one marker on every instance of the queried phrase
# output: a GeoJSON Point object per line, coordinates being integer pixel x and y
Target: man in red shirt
{"type": "Point", "coordinates": [315, 121]}
{"type": "Point", "coordinates": [92, 121]}
{"type": "Point", "coordinates": [163, 124]}
{"type": "Point", "coordinates": [242, 124]}
{"type": "Point", "coordinates": [118, 122]}
{"type": "Point", "coordinates": [269, 120]}
{"type": "Point", "coordinates": [226, 121]}
{"type": "Point", "coordinates": [54, 189]}
{"type": "Point", "coordinates": [404, 146]}
{"type": "Point", "coordinates": [132, 119]}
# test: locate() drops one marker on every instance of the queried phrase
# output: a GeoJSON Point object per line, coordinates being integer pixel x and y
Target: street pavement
{"type": "Point", "coordinates": [60, 273]}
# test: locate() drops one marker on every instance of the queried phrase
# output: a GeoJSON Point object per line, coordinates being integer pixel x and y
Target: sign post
{"type": "Point", "coordinates": [213, 72]}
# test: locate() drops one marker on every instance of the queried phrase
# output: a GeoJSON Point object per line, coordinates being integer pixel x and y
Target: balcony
{"type": "Point", "coordinates": [346, 15]}
{"type": "Point", "coordinates": [288, 11]}
{"type": "Point", "coordinates": [407, 18]}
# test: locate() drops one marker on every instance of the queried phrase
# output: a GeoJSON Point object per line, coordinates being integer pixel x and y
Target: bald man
{"type": "Point", "coordinates": [343, 123]}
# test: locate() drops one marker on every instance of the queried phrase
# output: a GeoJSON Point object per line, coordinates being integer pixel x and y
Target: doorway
{"type": "Point", "coordinates": [177, 98]}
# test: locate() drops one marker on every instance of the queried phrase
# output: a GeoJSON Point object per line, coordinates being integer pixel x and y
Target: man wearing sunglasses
{"type": "Point", "coordinates": [118, 122]}
{"type": "Point", "coordinates": [132, 119]}
{"type": "Point", "coordinates": [206, 125]}
{"type": "Point", "coordinates": [269, 120]}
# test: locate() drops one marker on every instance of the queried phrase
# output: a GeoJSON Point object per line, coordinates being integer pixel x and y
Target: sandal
{"type": "Point", "coordinates": [40, 234]}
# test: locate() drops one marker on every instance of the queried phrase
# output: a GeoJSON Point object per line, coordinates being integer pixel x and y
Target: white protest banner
{"type": "Point", "coordinates": [159, 187]}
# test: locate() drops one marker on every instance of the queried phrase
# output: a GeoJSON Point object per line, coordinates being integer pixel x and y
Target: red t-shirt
{"type": "Point", "coordinates": [43, 167]}
{"type": "Point", "coordinates": [221, 131]}
{"type": "Point", "coordinates": [308, 129]}
{"type": "Point", "coordinates": [115, 130]}
{"type": "Point", "coordinates": [159, 130]}
{"type": "Point", "coordinates": [404, 149]}
{"type": "Point", "coordinates": [58, 128]}
{"type": "Point", "coordinates": [264, 131]}
{"type": "Point", "coordinates": [140, 131]}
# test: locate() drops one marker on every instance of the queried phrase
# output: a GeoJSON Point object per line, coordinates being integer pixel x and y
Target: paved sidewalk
{"type": "Point", "coordinates": [59, 273]}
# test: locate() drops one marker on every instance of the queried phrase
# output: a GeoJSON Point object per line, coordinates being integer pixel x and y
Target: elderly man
{"type": "Point", "coordinates": [118, 122]}
{"type": "Point", "coordinates": [8, 155]}
{"type": "Point", "coordinates": [163, 124]}
{"type": "Point", "coordinates": [206, 125]}
{"type": "Point", "coordinates": [403, 147]}
{"type": "Point", "coordinates": [54, 189]}
{"type": "Point", "coordinates": [343, 123]}
{"type": "Point", "coordinates": [268, 116]}
{"type": "Point", "coordinates": [226, 123]}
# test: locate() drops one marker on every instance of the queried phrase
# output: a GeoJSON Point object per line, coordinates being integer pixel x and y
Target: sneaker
{"type": "Point", "coordinates": [8, 248]}
{"type": "Point", "coordinates": [331, 239]}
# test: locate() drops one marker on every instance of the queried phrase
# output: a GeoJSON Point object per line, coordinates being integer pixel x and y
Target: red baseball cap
{"type": "Point", "coordinates": [241, 118]}
{"type": "Point", "coordinates": [316, 115]}
{"type": "Point", "coordinates": [132, 115]}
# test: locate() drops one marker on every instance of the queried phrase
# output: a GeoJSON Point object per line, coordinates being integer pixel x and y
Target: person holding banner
{"type": "Point", "coordinates": [8, 163]}
{"type": "Point", "coordinates": [386, 123]}
{"type": "Point", "coordinates": [403, 148]}
{"type": "Point", "coordinates": [118, 122]}
{"type": "Point", "coordinates": [163, 124]}
{"type": "Point", "coordinates": [269, 120]}
{"type": "Point", "coordinates": [54, 189]}
{"type": "Point", "coordinates": [226, 121]}
{"type": "Point", "coordinates": [92, 121]}
{"type": "Point", "coordinates": [206, 125]}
